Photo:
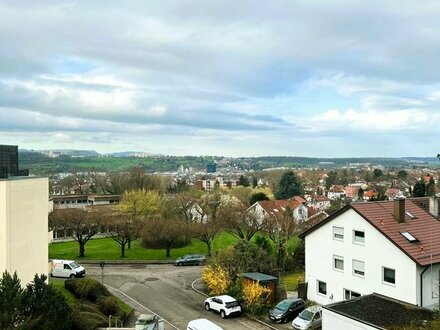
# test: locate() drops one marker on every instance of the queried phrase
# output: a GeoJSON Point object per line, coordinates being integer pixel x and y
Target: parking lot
{"type": "Point", "coordinates": [166, 290]}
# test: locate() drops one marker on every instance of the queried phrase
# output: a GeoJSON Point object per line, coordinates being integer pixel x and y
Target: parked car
{"type": "Point", "coordinates": [225, 305]}
{"type": "Point", "coordinates": [286, 310]}
{"type": "Point", "coordinates": [310, 318]}
{"type": "Point", "coordinates": [190, 259]}
{"type": "Point", "coordinates": [66, 268]}
{"type": "Point", "coordinates": [202, 324]}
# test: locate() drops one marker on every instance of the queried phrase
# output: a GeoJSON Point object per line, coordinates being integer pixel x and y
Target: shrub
{"type": "Point", "coordinates": [88, 320]}
{"type": "Point", "coordinates": [108, 305]}
{"type": "Point", "coordinates": [216, 279]}
{"type": "Point", "coordinates": [86, 288]}
{"type": "Point", "coordinates": [255, 297]}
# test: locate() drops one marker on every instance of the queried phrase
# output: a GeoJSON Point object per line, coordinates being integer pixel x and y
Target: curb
{"type": "Point", "coordinates": [126, 262]}
{"type": "Point", "coordinates": [245, 314]}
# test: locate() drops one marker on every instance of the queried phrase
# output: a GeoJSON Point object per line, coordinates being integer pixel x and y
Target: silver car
{"type": "Point", "coordinates": [310, 318]}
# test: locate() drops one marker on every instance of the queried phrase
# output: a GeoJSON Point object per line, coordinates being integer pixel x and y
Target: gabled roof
{"type": "Point", "coordinates": [278, 206]}
{"type": "Point", "coordinates": [422, 226]}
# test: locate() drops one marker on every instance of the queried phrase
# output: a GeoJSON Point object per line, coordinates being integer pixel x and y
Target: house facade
{"type": "Point", "coordinates": [265, 209]}
{"type": "Point", "coordinates": [391, 248]}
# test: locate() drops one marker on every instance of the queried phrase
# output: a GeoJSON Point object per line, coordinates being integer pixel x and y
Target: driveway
{"type": "Point", "coordinates": [166, 291]}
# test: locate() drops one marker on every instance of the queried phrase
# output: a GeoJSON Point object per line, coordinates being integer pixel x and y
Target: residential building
{"type": "Point", "coordinates": [268, 208]}
{"type": "Point", "coordinates": [23, 221]}
{"type": "Point", "coordinates": [320, 202]}
{"type": "Point", "coordinates": [393, 193]}
{"type": "Point", "coordinates": [336, 192]}
{"type": "Point", "coordinates": [391, 248]}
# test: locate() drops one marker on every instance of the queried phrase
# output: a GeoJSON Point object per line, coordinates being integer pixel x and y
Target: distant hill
{"type": "Point", "coordinates": [69, 152]}
{"type": "Point", "coordinates": [67, 160]}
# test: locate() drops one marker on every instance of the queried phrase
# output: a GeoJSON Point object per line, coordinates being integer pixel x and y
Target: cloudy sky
{"type": "Point", "coordinates": [235, 78]}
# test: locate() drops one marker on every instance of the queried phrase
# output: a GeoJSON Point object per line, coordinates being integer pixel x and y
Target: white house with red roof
{"type": "Point", "coordinates": [336, 192]}
{"type": "Point", "coordinates": [269, 208]}
{"type": "Point", "coordinates": [391, 248]}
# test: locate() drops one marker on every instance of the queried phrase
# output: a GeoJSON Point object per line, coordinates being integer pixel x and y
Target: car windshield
{"type": "Point", "coordinates": [73, 265]}
{"type": "Point", "coordinates": [306, 315]}
{"type": "Point", "coordinates": [282, 306]}
{"type": "Point", "coordinates": [231, 304]}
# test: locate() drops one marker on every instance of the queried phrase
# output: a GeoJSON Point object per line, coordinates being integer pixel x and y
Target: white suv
{"type": "Point", "coordinates": [225, 305]}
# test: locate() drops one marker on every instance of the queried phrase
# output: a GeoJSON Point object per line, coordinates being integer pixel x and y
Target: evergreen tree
{"type": "Point", "coordinates": [258, 197]}
{"type": "Point", "coordinates": [11, 308]}
{"type": "Point", "coordinates": [331, 179]}
{"type": "Point", "coordinates": [243, 181]}
{"type": "Point", "coordinates": [430, 187]}
{"type": "Point", "coordinates": [254, 182]}
{"type": "Point", "coordinates": [419, 189]}
{"type": "Point", "coordinates": [290, 186]}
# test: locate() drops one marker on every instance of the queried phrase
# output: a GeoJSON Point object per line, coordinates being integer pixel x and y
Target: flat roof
{"type": "Point", "coordinates": [380, 311]}
{"type": "Point", "coordinates": [260, 277]}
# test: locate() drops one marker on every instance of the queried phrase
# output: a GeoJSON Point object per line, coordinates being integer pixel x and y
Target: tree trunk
{"type": "Point", "coordinates": [123, 250]}
{"type": "Point", "coordinates": [129, 244]}
{"type": "Point", "coordinates": [81, 249]}
{"type": "Point", "coordinates": [208, 245]}
{"type": "Point", "coordinates": [168, 249]}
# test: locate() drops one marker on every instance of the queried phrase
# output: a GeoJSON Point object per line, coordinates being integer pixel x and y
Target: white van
{"type": "Point", "coordinates": [202, 324]}
{"type": "Point", "coordinates": [66, 268]}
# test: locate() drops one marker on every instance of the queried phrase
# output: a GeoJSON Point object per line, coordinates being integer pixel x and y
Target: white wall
{"type": "Point", "coordinates": [430, 285]}
{"type": "Point", "coordinates": [334, 321]}
{"type": "Point", "coordinates": [377, 252]}
{"type": "Point", "coordinates": [24, 227]}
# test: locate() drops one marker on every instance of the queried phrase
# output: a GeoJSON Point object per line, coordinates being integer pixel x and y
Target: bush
{"type": "Point", "coordinates": [216, 279]}
{"type": "Point", "coordinates": [88, 320]}
{"type": "Point", "coordinates": [255, 297]}
{"type": "Point", "coordinates": [86, 288]}
{"type": "Point", "coordinates": [150, 242]}
{"type": "Point", "coordinates": [108, 305]}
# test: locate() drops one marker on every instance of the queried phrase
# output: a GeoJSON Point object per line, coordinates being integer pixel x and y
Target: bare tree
{"type": "Point", "coordinates": [165, 227]}
{"type": "Point", "coordinates": [280, 227]}
{"type": "Point", "coordinates": [123, 229]}
{"type": "Point", "coordinates": [240, 222]}
{"type": "Point", "coordinates": [83, 224]}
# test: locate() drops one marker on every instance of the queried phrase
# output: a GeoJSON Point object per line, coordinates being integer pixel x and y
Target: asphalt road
{"type": "Point", "coordinates": [166, 291]}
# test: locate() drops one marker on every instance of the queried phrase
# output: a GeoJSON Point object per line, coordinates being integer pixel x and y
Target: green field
{"type": "Point", "coordinates": [108, 249]}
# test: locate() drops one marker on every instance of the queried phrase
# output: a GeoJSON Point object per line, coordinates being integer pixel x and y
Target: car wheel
{"type": "Point", "coordinates": [207, 307]}
{"type": "Point", "coordinates": [222, 314]}
{"type": "Point", "coordinates": [51, 275]}
{"type": "Point", "coordinates": [72, 276]}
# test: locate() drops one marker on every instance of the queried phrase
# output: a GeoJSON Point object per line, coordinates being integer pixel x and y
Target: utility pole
{"type": "Point", "coordinates": [102, 264]}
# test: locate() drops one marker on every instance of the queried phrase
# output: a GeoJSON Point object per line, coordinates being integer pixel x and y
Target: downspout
{"type": "Point", "coordinates": [421, 285]}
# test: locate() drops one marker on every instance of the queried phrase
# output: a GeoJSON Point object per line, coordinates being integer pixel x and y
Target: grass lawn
{"type": "Point", "coordinates": [59, 285]}
{"type": "Point", "coordinates": [290, 281]}
{"type": "Point", "coordinates": [108, 249]}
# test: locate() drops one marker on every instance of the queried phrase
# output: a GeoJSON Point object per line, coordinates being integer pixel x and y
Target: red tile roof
{"type": "Point", "coordinates": [279, 205]}
{"type": "Point", "coordinates": [424, 227]}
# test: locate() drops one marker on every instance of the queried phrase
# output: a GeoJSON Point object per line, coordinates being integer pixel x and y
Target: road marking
{"type": "Point", "coordinates": [136, 302]}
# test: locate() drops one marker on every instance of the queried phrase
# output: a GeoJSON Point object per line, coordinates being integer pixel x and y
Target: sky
{"type": "Point", "coordinates": [229, 78]}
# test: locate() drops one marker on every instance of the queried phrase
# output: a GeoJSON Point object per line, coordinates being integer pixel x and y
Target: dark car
{"type": "Point", "coordinates": [286, 310]}
{"type": "Point", "coordinates": [190, 259]}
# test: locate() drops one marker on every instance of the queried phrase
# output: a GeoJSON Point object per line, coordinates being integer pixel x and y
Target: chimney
{"type": "Point", "coordinates": [399, 209]}
{"type": "Point", "coordinates": [434, 205]}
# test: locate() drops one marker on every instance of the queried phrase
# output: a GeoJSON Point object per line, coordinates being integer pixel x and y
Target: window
{"type": "Point", "coordinates": [348, 294]}
{"type": "Point", "coordinates": [359, 236]}
{"type": "Point", "coordinates": [409, 237]}
{"type": "Point", "coordinates": [338, 263]}
{"type": "Point", "coordinates": [338, 233]}
{"type": "Point", "coordinates": [358, 267]}
{"type": "Point", "coordinates": [322, 287]}
{"type": "Point", "coordinates": [389, 275]}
